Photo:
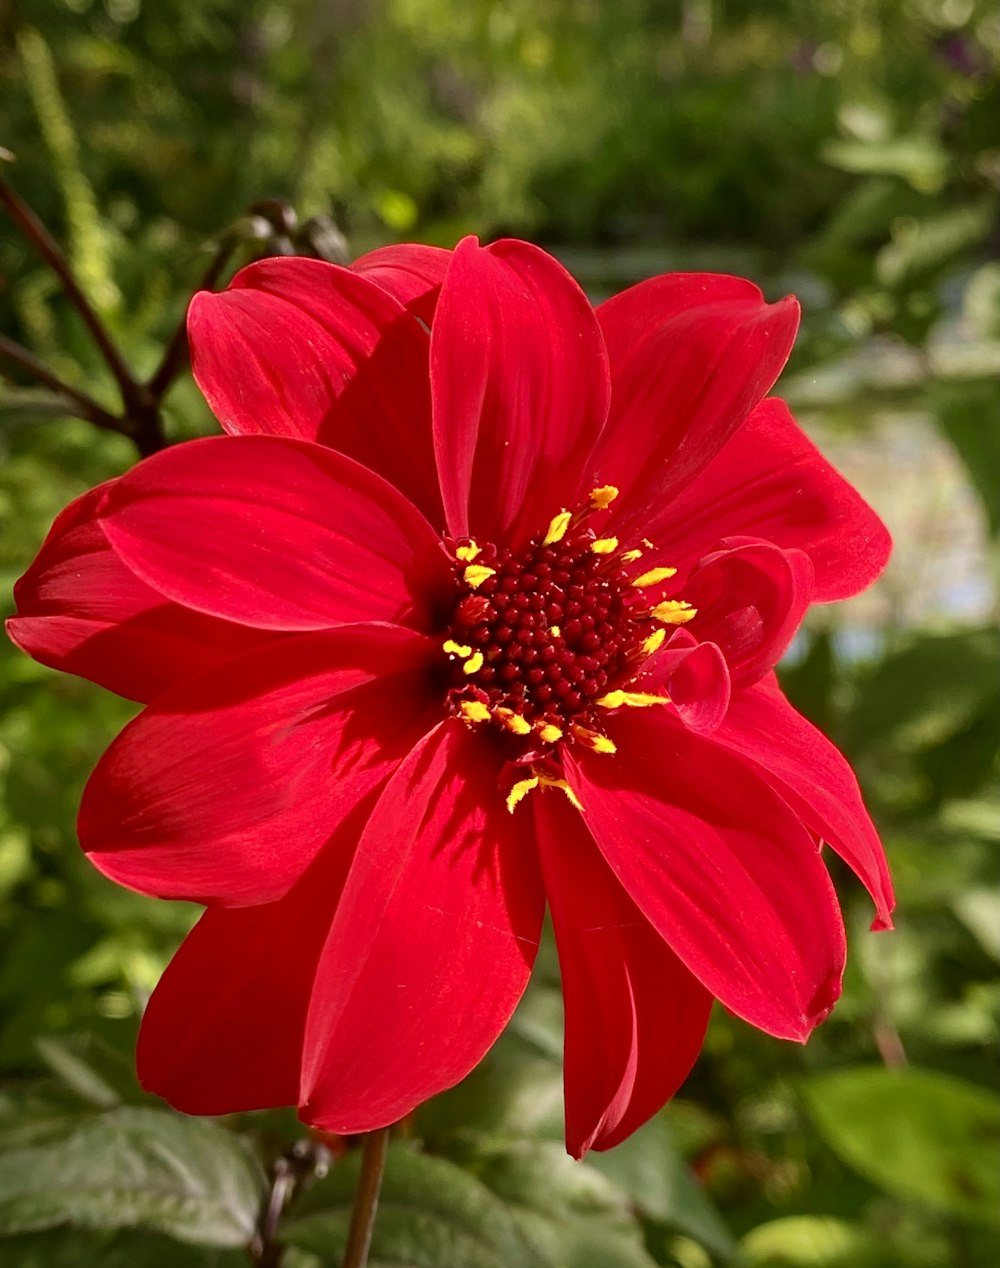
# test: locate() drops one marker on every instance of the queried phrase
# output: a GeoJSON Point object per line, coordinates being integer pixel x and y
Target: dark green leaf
{"type": "Point", "coordinates": [135, 1167]}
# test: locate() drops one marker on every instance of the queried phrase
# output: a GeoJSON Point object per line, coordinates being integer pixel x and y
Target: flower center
{"type": "Point", "coordinates": [543, 640]}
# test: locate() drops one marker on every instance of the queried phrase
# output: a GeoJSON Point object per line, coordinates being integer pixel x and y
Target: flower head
{"type": "Point", "coordinates": [474, 610]}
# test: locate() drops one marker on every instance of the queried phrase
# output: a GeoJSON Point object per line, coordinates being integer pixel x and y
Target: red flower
{"type": "Point", "coordinates": [476, 608]}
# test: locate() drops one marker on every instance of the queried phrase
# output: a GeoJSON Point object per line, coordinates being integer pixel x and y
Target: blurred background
{"type": "Point", "coordinates": [846, 150]}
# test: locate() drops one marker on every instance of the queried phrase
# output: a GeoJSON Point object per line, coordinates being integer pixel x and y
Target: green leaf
{"type": "Point", "coordinates": [914, 1133]}
{"type": "Point", "coordinates": [76, 1073]}
{"type": "Point", "coordinates": [927, 692]}
{"type": "Point", "coordinates": [133, 1167]}
{"type": "Point", "coordinates": [573, 1216]}
{"type": "Point", "coordinates": [431, 1214]}
{"type": "Point", "coordinates": [650, 1169]}
{"type": "Point", "coordinates": [967, 413]}
{"type": "Point", "coordinates": [807, 1241]}
{"type": "Point", "coordinates": [73, 1248]}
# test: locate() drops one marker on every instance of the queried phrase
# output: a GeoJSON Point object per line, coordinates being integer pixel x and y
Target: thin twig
{"type": "Point", "coordinates": [175, 355]}
{"type": "Point", "coordinates": [359, 1237]}
{"type": "Point", "coordinates": [43, 242]}
{"type": "Point", "coordinates": [78, 402]}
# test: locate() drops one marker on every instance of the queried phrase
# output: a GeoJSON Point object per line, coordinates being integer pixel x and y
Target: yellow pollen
{"type": "Point", "coordinates": [549, 733]}
{"type": "Point", "coordinates": [513, 721]}
{"type": "Point", "coordinates": [456, 649]}
{"type": "Point", "coordinates": [630, 556]}
{"type": "Point", "coordinates": [604, 545]}
{"type": "Point", "coordinates": [647, 543]}
{"type": "Point", "coordinates": [474, 711]}
{"type": "Point", "coordinates": [602, 497]}
{"type": "Point", "coordinates": [674, 612]}
{"type": "Point", "coordinates": [474, 664]}
{"type": "Point", "coordinates": [476, 574]}
{"type": "Point", "coordinates": [654, 642]}
{"type": "Point", "coordinates": [634, 699]}
{"type": "Point", "coordinates": [557, 528]}
{"type": "Point", "coordinates": [594, 740]}
{"type": "Point", "coordinates": [653, 577]}
{"type": "Point", "coordinates": [549, 781]}
{"type": "Point", "coordinates": [468, 553]}
{"type": "Point", "coordinates": [520, 791]}
{"type": "Point", "coordinates": [555, 631]}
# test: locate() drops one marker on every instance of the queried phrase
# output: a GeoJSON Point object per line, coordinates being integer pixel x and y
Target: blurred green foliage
{"type": "Point", "coordinates": [848, 149]}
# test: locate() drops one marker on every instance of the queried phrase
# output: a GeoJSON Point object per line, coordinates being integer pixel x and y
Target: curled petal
{"type": "Point", "coordinates": [816, 780]}
{"type": "Point", "coordinates": [520, 389]}
{"type": "Point", "coordinates": [695, 678]}
{"type": "Point", "coordinates": [222, 1032]}
{"type": "Point", "coordinates": [277, 534]}
{"type": "Point", "coordinates": [226, 787]}
{"type": "Point", "coordinates": [720, 866]}
{"type": "Point", "coordinates": [79, 609]}
{"type": "Point", "coordinates": [751, 598]}
{"type": "Point", "coordinates": [691, 354]}
{"type": "Point", "coordinates": [771, 482]}
{"type": "Point", "coordinates": [438, 925]}
{"type": "Point", "coordinates": [302, 348]}
{"type": "Point", "coordinates": [411, 273]}
{"type": "Point", "coordinates": [635, 1016]}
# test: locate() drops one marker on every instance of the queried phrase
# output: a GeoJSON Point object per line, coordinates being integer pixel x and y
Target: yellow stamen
{"type": "Point", "coordinates": [474, 664]}
{"type": "Point", "coordinates": [602, 497]}
{"type": "Point", "coordinates": [513, 721]}
{"type": "Point", "coordinates": [654, 642]}
{"type": "Point", "coordinates": [555, 631]}
{"type": "Point", "coordinates": [630, 556]}
{"type": "Point", "coordinates": [647, 543]}
{"type": "Point", "coordinates": [635, 699]}
{"type": "Point", "coordinates": [548, 781]}
{"type": "Point", "coordinates": [476, 574]}
{"type": "Point", "coordinates": [653, 577]}
{"type": "Point", "coordinates": [557, 528]}
{"type": "Point", "coordinates": [594, 740]}
{"type": "Point", "coordinates": [474, 711]}
{"type": "Point", "coordinates": [604, 545]}
{"type": "Point", "coordinates": [674, 612]}
{"type": "Point", "coordinates": [456, 649]}
{"type": "Point", "coordinates": [549, 733]}
{"type": "Point", "coordinates": [520, 791]}
{"type": "Point", "coordinates": [468, 553]}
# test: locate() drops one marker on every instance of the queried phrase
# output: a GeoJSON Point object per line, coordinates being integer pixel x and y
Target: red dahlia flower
{"type": "Point", "coordinates": [476, 608]}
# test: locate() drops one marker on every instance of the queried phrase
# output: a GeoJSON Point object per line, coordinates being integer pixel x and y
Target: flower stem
{"type": "Point", "coordinates": [359, 1236]}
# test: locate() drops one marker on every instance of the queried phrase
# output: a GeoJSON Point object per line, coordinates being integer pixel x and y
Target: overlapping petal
{"type": "Point", "coordinates": [277, 534]}
{"type": "Point", "coordinates": [770, 481]}
{"type": "Point", "coordinates": [227, 786]}
{"type": "Point", "coordinates": [635, 1017]}
{"type": "Point", "coordinates": [302, 348]}
{"type": "Point", "coordinates": [520, 389]}
{"type": "Point", "coordinates": [410, 272]}
{"type": "Point", "coordinates": [721, 868]}
{"type": "Point", "coordinates": [690, 354]}
{"type": "Point", "coordinates": [432, 944]}
{"type": "Point", "coordinates": [223, 1030]}
{"type": "Point", "coordinates": [79, 609]}
{"type": "Point", "coordinates": [750, 597]}
{"type": "Point", "coordinates": [816, 780]}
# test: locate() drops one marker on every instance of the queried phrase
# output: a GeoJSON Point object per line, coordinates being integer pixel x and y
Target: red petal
{"type": "Point", "coordinates": [694, 676]}
{"type": "Point", "coordinates": [520, 389]}
{"type": "Point", "coordinates": [302, 348]}
{"type": "Point", "coordinates": [222, 1032]}
{"type": "Point", "coordinates": [771, 481]}
{"type": "Point", "coordinates": [432, 944]}
{"type": "Point", "coordinates": [277, 534]}
{"type": "Point", "coordinates": [721, 868]}
{"type": "Point", "coordinates": [226, 786]}
{"type": "Point", "coordinates": [691, 354]}
{"type": "Point", "coordinates": [816, 780]}
{"type": "Point", "coordinates": [82, 611]}
{"type": "Point", "coordinates": [411, 273]}
{"type": "Point", "coordinates": [635, 1017]}
{"type": "Point", "coordinates": [751, 598]}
